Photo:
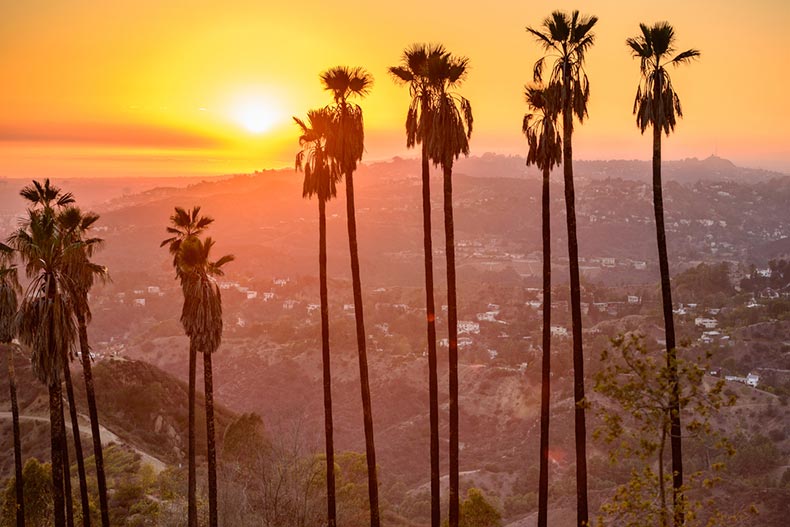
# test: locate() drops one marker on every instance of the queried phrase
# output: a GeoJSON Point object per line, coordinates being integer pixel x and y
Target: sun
{"type": "Point", "coordinates": [256, 115]}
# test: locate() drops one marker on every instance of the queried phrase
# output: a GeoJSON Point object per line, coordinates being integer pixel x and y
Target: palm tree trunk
{"type": "Point", "coordinates": [192, 478]}
{"type": "Point", "coordinates": [75, 430]}
{"type": "Point", "coordinates": [20, 493]}
{"type": "Point", "coordinates": [370, 448]}
{"type": "Point", "coordinates": [90, 395]}
{"type": "Point", "coordinates": [430, 311]}
{"type": "Point", "coordinates": [669, 323]}
{"type": "Point", "coordinates": [545, 386]}
{"type": "Point", "coordinates": [57, 440]}
{"type": "Point", "coordinates": [208, 378]}
{"type": "Point", "coordinates": [66, 469]}
{"type": "Point", "coordinates": [452, 326]}
{"type": "Point", "coordinates": [331, 507]}
{"type": "Point", "coordinates": [580, 426]}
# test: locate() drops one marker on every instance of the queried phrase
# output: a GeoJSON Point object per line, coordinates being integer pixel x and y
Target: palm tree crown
{"type": "Point", "coordinates": [451, 123]}
{"type": "Point", "coordinates": [9, 288]}
{"type": "Point", "coordinates": [320, 171]}
{"type": "Point", "coordinates": [656, 103]}
{"type": "Point", "coordinates": [567, 39]}
{"type": "Point", "coordinates": [184, 224]}
{"type": "Point", "coordinates": [347, 142]}
{"type": "Point", "coordinates": [540, 128]}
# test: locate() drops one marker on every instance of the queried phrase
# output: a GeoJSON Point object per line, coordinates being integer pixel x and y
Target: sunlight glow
{"type": "Point", "coordinates": [256, 115]}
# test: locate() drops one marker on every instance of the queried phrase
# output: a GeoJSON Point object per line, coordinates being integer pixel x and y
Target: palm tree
{"type": "Point", "coordinates": [545, 152]}
{"type": "Point", "coordinates": [320, 179]}
{"type": "Point", "coordinates": [82, 274]}
{"type": "Point", "coordinates": [46, 325]}
{"type": "Point", "coordinates": [566, 39]}
{"type": "Point", "coordinates": [47, 197]}
{"type": "Point", "coordinates": [201, 317]}
{"type": "Point", "coordinates": [415, 71]}
{"type": "Point", "coordinates": [656, 104]}
{"type": "Point", "coordinates": [345, 146]}
{"type": "Point", "coordinates": [188, 224]}
{"type": "Point", "coordinates": [451, 128]}
{"type": "Point", "coordinates": [9, 289]}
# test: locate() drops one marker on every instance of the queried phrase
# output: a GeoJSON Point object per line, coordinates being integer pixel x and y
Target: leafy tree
{"type": "Point", "coordinates": [9, 289]}
{"type": "Point", "coordinates": [418, 70]}
{"type": "Point", "coordinates": [545, 151]}
{"type": "Point", "coordinates": [320, 179]}
{"type": "Point", "coordinates": [567, 38]}
{"type": "Point", "coordinates": [345, 146]}
{"type": "Point", "coordinates": [451, 128]}
{"type": "Point", "coordinates": [38, 502]}
{"type": "Point", "coordinates": [636, 421]}
{"type": "Point", "coordinates": [656, 104]}
{"type": "Point", "coordinates": [476, 511]}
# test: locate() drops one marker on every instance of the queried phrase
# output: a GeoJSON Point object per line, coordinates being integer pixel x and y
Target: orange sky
{"type": "Point", "coordinates": [139, 87]}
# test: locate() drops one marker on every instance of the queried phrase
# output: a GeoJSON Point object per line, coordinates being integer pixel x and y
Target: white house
{"type": "Point", "coordinates": [707, 323]}
{"type": "Point", "coordinates": [139, 302]}
{"type": "Point", "coordinates": [633, 299]}
{"type": "Point", "coordinates": [467, 326]}
{"type": "Point", "coordinates": [752, 380]}
{"type": "Point", "coordinates": [559, 331]}
{"type": "Point", "coordinates": [252, 294]}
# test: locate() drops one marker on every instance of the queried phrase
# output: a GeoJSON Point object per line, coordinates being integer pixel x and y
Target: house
{"type": "Point", "coordinates": [280, 281]}
{"type": "Point", "coordinates": [752, 379]}
{"type": "Point", "coordinates": [634, 299]}
{"type": "Point", "coordinates": [139, 302]}
{"type": "Point", "coordinates": [252, 294]}
{"type": "Point", "coordinates": [268, 295]}
{"type": "Point", "coordinates": [289, 303]}
{"type": "Point", "coordinates": [153, 290]}
{"type": "Point", "coordinates": [559, 331]}
{"type": "Point", "coordinates": [313, 307]}
{"type": "Point", "coordinates": [467, 326]}
{"type": "Point", "coordinates": [607, 262]}
{"type": "Point", "coordinates": [707, 323]}
{"type": "Point", "coordinates": [488, 316]}
{"type": "Point", "coordinates": [348, 307]}
{"type": "Point", "coordinates": [640, 265]}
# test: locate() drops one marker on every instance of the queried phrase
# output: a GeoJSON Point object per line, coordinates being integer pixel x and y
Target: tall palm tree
{"type": "Point", "coordinates": [46, 325]}
{"type": "Point", "coordinates": [451, 128]}
{"type": "Point", "coordinates": [49, 198]}
{"type": "Point", "coordinates": [656, 104]}
{"type": "Point", "coordinates": [320, 180]}
{"type": "Point", "coordinates": [566, 39]}
{"type": "Point", "coordinates": [186, 224]}
{"type": "Point", "coordinates": [201, 317]}
{"type": "Point", "coordinates": [345, 146]}
{"type": "Point", "coordinates": [415, 72]}
{"type": "Point", "coordinates": [82, 273]}
{"type": "Point", "coordinates": [545, 152]}
{"type": "Point", "coordinates": [9, 289]}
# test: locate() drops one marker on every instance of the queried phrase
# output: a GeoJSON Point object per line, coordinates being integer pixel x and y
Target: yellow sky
{"type": "Point", "coordinates": [139, 87]}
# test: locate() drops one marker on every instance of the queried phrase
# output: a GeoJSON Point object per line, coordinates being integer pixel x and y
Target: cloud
{"type": "Point", "coordinates": [127, 135]}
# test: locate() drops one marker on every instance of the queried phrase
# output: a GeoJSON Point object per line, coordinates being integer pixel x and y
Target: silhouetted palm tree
{"type": "Point", "coordinates": [9, 289]}
{"type": "Point", "coordinates": [46, 324]}
{"type": "Point", "coordinates": [567, 38]}
{"type": "Point", "coordinates": [345, 146]}
{"type": "Point", "coordinates": [184, 225]}
{"type": "Point", "coordinates": [656, 104]}
{"type": "Point", "coordinates": [201, 317]}
{"type": "Point", "coordinates": [320, 180]}
{"type": "Point", "coordinates": [545, 152]}
{"type": "Point", "coordinates": [82, 273]}
{"type": "Point", "coordinates": [415, 71]}
{"type": "Point", "coordinates": [451, 128]}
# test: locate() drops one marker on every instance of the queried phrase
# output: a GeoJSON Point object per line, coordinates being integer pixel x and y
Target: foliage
{"type": "Point", "coordinates": [38, 496]}
{"type": "Point", "coordinates": [636, 418]}
{"type": "Point", "coordinates": [476, 511]}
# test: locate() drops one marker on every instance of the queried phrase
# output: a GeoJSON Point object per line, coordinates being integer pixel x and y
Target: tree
{"type": "Point", "coordinates": [46, 322]}
{"type": "Point", "coordinates": [37, 483]}
{"type": "Point", "coordinates": [9, 289]}
{"type": "Point", "coordinates": [68, 217]}
{"type": "Point", "coordinates": [320, 180]}
{"type": "Point", "coordinates": [416, 72]}
{"type": "Point", "coordinates": [186, 225]}
{"type": "Point", "coordinates": [567, 38]}
{"type": "Point", "coordinates": [636, 426]}
{"type": "Point", "coordinates": [451, 128]}
{"type": "Point", "coordinates": [82, 274]}
{"type": "Point", "coordinates": [201, 317]}
{"type": "Point", "coordinates": [476, 511]}
{"type": "Point", "coordinates": [345, 146]}
{"type": "Point", "coordinates": [656, 104]}
{"type": "Point", "coordinates": [545, 152]}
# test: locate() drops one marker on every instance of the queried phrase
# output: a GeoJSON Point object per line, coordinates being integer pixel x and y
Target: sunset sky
{"type": "Point", "coordinates": [139, 87]}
